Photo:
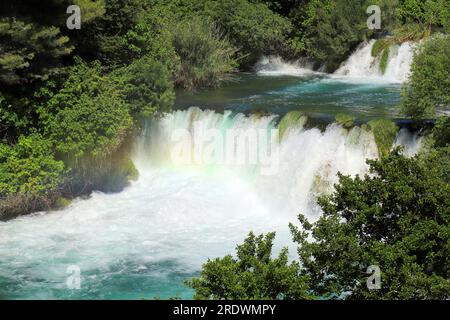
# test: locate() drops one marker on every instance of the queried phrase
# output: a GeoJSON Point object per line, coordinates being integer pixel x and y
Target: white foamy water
{"type": "Point", "coordinates": [276, 66]}
{"type": "Point", "coordinates": [361, 64]}
{"type": "Point", "coordinates": [181, 213]}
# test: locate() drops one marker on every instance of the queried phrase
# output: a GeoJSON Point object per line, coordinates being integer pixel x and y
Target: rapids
{"type": "Point", "coordinates": [146, 240]}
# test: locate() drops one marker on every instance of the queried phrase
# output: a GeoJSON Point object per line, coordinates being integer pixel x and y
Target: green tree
{"type": "Point", "coordinates": [441, 132]}
{"type": "Point", "coordinates": [34, 41]}
{"type": "Point", "coordinates": [152, 36]}
{"type": "Point", "coordinates": [252, 275]}
{"type": "Point", "coordinates": [147, 87]}
{"type": "Point", "coordinates": [29, 51]}
{"type": "Point", "coordinates": [88, 117]}
{"type": "Point", "coordinates": [427, 88]}
{"type": "Point", "coordinates": [253, 28]}
{"type": "Point", "coordinates": [333, 29]}
{"type": "Point", "coordinates": [427, 13]}
{"type": "Point", "coordinates": [397, 218]}
{"type": "Point", "coordinates": [29, 167]}
{"type": "Point", "coordinates": [105, 38]}
{"type": "Point", "coordinates": [206, 55]}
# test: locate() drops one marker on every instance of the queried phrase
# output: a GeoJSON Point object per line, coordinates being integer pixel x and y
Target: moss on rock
{"type": "Point", "coordinates": [384, 132]}
{"type": "Point", "coordinates": [378, 47]}
{"type": "Point", "coordinates": [347, 121]}
{"type": "Point", "coordinates": [384, 61]}
{"type": "Point", "coordinates": [292, 119]}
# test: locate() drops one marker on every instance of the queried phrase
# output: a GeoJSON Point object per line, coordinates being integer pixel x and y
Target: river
{"type": "Point", "coordinates": [146, 240]}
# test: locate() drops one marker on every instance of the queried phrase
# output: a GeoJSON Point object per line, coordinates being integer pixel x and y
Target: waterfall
{"type": "Point", "coordinates": [276, 66]}
{"type": "Point", "coordinates": [400, 62]}
{"type": "Point", "coordinates": [160, 229]}
{"type": "Point", "coordinates": [361, 64]}
{"type": "Point", "coordinates": [306, 161]}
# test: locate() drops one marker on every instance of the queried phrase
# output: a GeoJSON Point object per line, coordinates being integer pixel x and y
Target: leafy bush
{"type": "Point", "coordinates": [253, 275]}
{"type": "Point", "coordinates": [14, 121]}
{"type": "Point", "coordinates": [151, 36]}
{"type": "Point", "coordinates": [105, 39]}
{"type": "Point", "coordinates": [427, 88]}
{"type": "Point", "coordinates": [206, 55]}
{"type": "Point", "coordinates": [147, 87]}
{"type": "Point", "coordinates": [427, 13]}
{"type": "Point", "coordinates": [88, 117]}
{"type": "Point", "coordinates": [441, 132]}
{"type": "Point", "coordinates": [29, 167]}
{"type": "Point", "coordinates": [333, 29]}
{"type": "Point", "coordinates": [252, 28]}
{"type": "Point", "coordinates": [397, 219]}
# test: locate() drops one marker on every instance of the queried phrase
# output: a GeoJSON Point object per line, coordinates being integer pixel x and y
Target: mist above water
{"type": "Point", "coordinates": [144, 241]}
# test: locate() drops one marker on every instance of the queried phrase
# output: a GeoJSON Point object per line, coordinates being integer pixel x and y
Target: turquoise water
{"type": "Point", "coordinates": [145, 241]}
{"type": "Point", "coordinates": [121, 280]}
{"type": "Point", "coordinates": [316, 95]}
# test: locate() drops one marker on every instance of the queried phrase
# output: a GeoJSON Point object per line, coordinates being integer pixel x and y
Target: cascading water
{"type": "Point", "coordinates": [361, 64]}
{"type": "Point", "coordinates": [144, 241]}
{"type": "Point", "coordinates": [276, 66]}
{"type": "Point", "coordinates": [307, 160]}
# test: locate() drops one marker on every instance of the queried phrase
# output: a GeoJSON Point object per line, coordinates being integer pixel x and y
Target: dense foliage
{"type": "Point", "coordinates": [32, 41]}
{"type": "Point", "coordinates": [329, 37]}
{"type": "Point", "coordinates": [29, 176]}
{"type": "Point", "coordinates": [205, 54]}
{"type": "Point", "coordinates": [396, 218]}
{"type": "Point", "coordinates": [252, 275]}
{"type": "Point", "coordinates": [71, 100]}
{"type": "Point", "coordinates": [88, 116]}
{"type": "Point", "coordinates": [29, 167]}
{"type": "Point", "coordinates": [253, 28]}
{"type": "Point", "coordinates": [427, 90]}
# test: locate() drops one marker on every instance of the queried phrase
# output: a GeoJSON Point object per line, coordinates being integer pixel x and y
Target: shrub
{"type": "Point", "coordinates": [252, 28]}
{"type": "Point", "coordinates": [397, 218]}
{"type": "Point", "coordinates": [29, 167]}
{"type": "Point", "coordinates": [427, 88]}
{"type": "Point", "coordinates": [427, 13]}
{"type": "Point", "coordinates": [205, 54]}
{"type": "Point", "coordinates": [147, 87]}
{"type": "Point", "coordinates": [253, 275]}
{"type": "Point", "coordinates": [152, 36]}
{"type": "Point", "coordinates": [441, 132]}
{"type": "Point", "coordinates": [88, 117]}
